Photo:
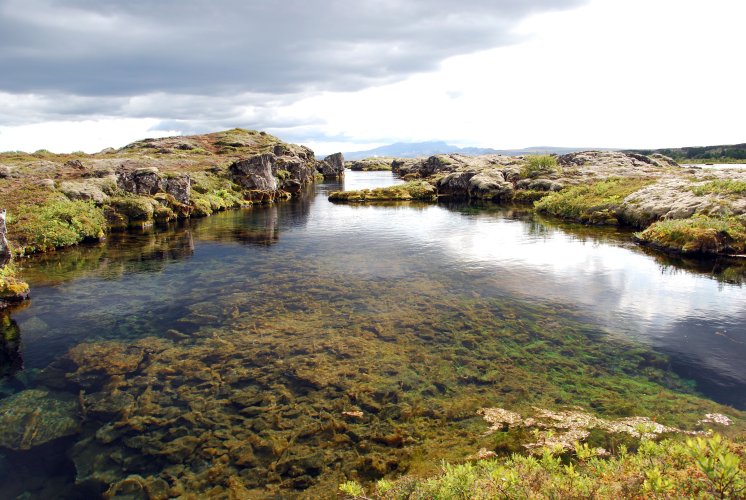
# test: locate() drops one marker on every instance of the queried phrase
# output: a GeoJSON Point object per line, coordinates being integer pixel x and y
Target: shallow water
{"type": "Point", "coordinates": [224, 352]}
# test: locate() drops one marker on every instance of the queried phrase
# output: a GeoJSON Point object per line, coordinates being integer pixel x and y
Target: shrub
{"type": "Point", "coordinates": [710, 467]}
{"type": "Point", "coordinates": [539, 165]}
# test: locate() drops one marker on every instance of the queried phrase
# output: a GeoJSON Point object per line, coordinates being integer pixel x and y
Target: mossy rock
{"type": "Point", "coordinates": [414, 190]}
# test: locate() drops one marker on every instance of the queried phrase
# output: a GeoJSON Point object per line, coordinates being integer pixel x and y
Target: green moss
{"type": "Point", "coordinates": [721, 186]}
{"type": "Point", "coordinates": [58, 223]}
{"type": "Point", "coordinates": [528, 195]}
{"type": "Point", "coordinates": [283, 175]}
{"type": "Point", "coordinates": [595, 203]}
{"type": "Point", "coordinates": [539, 165]}
{"type": "Point", "coordinates": [711, 467]}
{"type": "Point", "coordinates": [11, 287]}
{"type": "Point", "coordinates": [135, 208]}
{"type": "Point", "coordinates": [698, 234]}
{"type": "Point", "coordinates": [212, 193]}
{"type": "Point", "coordinates": [414, 190]}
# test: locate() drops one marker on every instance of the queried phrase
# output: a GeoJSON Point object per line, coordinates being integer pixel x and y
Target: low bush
{"type": "Point", "coordinates": [703, 467]}
{"type": "Point", "coordinates": [539, 165]}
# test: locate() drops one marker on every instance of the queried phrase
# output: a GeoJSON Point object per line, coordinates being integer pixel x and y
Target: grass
{"type": "Point", "coordinates": [539, 165]}
{"type": "Point", "coordinates": [413, 190]}
{"type": "Point", "coordinates": [56, 223]}
{"type": "Point", "coordinates": [592, 203]}
{"type": "Point", "coordinates": [720, 186]}
{"type": "Point", "coordinates": [700, 234]}
{"type": "Point", "coordinates": [711, 467]}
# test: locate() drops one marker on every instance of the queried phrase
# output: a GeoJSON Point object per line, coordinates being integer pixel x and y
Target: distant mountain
{"type": "Point", "coordinates": [716, 154]}
{"type": "Point", "coordinates": [429, 148]}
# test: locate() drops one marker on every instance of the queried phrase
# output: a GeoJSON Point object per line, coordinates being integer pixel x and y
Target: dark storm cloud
{"type": "Point", "coordinates": [118, 49]}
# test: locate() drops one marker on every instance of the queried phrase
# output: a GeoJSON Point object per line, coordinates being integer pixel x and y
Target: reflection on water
{"type": "Point", "coordinates": [234, 352]}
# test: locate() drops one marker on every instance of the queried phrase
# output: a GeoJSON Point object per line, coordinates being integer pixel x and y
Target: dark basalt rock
{"type": "Point", "coordinates": [333, 166]}
{"type": "Point", "coordinates": [255, 173]}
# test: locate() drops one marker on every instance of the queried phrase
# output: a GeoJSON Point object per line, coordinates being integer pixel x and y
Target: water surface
{"type": "Point", "coordinates": [284, 349]}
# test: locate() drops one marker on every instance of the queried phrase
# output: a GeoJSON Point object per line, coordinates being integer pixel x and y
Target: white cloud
{"type": "Point", "coordinates": [612, 73]}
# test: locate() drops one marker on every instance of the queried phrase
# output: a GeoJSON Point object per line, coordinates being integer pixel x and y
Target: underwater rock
{"type": "Point", "coordinates": [35, 416]}
{"type": "Point", "coordinates": [96, 362]}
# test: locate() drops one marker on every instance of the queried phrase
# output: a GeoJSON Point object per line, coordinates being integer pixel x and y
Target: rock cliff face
{"type": "Point", "coordinates": [268, 176]}
{"type": "Point", "coordinates": [5, 253]}
{"type": "Point", "coordinates": [333, 166]}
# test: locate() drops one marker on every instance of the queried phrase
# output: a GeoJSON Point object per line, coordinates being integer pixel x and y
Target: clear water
{"type": "Point", "coordinates": [224, 352]}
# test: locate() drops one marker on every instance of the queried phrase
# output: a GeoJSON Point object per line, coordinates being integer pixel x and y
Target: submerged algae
{"type": "Point", "coordinates": [301, 386]}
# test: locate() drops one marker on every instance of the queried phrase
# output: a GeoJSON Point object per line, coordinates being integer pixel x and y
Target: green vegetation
{"type": "Point", "coordinates": [11, 287]}
{"type": "Point", "coordinates": [735, 153]}
{"type": "Point", "coordinates": [710, 467]}
{"type": "Point", "coordinates": [592, 203]}
{"type": "Point", "coordinates": [213, 193]}
{"type": "Point", "coordinates": [721, 186]}
{"type": "Point", "coordinates": [371, 164]}
{"type": "Point", "coordinates": [539, 165]}
{"type": "Point", "coordinates": [413, 190]}
{"type": "Point", "coordinates": [698, 234]}
{"type": "Point", "coordinates": [58, 222]}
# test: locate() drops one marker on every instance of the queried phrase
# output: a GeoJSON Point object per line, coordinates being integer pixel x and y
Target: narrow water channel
{"type": "Point", "coordinates": [307, 342]}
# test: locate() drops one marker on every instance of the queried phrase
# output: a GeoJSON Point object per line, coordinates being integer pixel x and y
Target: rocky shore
{"type": "Point", "coordinates": [681, 209]}
{"type": "Point", "coordinates": [58, 200]}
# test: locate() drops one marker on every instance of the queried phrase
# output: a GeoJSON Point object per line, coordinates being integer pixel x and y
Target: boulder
{"type": "Point", "coordinates": [456, 184]}
{"type": "Point", "coordinates": [5, 171]}
{"type": "Point", "coordinates": [84, 190]}
{"type": "Point", "coordinates": [178, 186]}
{"type": "Point", "coordinates": [333, 166]}
{"type": "Point", "coordinates": [141, 181]}
{"type": "Point", "coordinates": [37, 416]}
{"type": "Point", "coordinates": [255, 173]}
{"type": "Point", "coordinates": [490, 185]}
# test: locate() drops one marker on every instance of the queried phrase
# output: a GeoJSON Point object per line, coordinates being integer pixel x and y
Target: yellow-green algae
{"type": "Point", "coordinates": [264, 396]}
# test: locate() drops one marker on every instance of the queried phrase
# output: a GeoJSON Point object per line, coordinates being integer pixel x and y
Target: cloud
{"type": "Point", "coordinates": [207, 60]}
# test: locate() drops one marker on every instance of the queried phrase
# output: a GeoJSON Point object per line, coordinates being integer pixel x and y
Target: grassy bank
{"type": "Point", "coordinates": [697, 235]}
{"type": "Point", "coordinates": [702, 467]}
{"type": "Point", "coordinates": [596, 203]}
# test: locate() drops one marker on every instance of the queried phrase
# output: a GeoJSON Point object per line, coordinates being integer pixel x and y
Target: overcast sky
{"type": "Point", "coordinates": [341, 75]}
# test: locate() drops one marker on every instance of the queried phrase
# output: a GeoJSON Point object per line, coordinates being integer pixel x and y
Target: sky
{"type": "Point", "coordinates": [83, 75]}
